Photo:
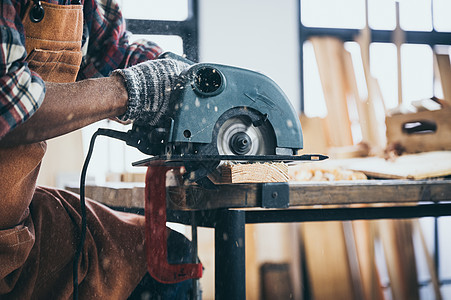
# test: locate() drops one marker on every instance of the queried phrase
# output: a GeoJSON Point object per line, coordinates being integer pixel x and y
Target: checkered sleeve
{"type": "Point", "coordinates": [106, 42]}
{"type": "Point", "coordinates": [21, 90]}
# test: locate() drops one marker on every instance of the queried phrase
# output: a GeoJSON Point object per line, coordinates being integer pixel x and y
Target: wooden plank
{"type": "Point", "coordinates": [329, 57]}
{"type": "Point", "coordinates": [408, 166]}
{"type": "Point", "coordinates": [314, 134]}
{"type": "Point", "coordinates": [301, 193]}
{"type": "Point", "coordinates": [252, 267]}
{"type": "Point", "coordinates": [295, 261]}
{"type": "Point", "coordinates": [251, 173]}
{"type": "Point", "coordinates": [444, 68]}
{"type": "Point", "coordinates": [370, 191]}
{"type": "Point", "coordinates": [353, 260]}
{"type": "Point", "coordinates": [228, 195]}
{"type": "Point", "coordinates": [396, 237]}
{"type": "Point", "coordinates": [371, 110]}
{"type": "Point", "coordinates": [326, 258]}
{"type": "Point", "coordinates": [398, 39]}
{"type": "Point", "coordinates": [117, 194]}
{"type": "Point", "coordinates": [429, 260]}
{"type": "Point", "coordinates": [361, 105]}
{"type": "Point", "coordinates": [367, 191]}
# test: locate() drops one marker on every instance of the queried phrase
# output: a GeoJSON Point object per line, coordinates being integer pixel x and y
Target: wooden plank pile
{"type": "Point", "coordinates": [339, 85]}
{"type": "Point", "coordinates": [340, 257]}
{"type": "Point", "coordinates": [424, 126]}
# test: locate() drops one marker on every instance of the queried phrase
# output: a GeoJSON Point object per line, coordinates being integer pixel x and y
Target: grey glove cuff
{"type": "Point", "coordinates": [149, 86]}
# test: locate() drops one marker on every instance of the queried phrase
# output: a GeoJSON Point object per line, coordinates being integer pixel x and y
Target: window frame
{"type": "Point", "coordinates": [187, 29]}
{"type": "Point", "coordinates": [432, 38]}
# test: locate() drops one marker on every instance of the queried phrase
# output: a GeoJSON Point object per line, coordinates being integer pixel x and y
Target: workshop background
{"type": "Point", "coordinates": [391, 56]}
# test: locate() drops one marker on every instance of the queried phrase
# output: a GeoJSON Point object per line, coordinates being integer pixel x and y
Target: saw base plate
{"type": "Point", "coordinates": [179, 160]}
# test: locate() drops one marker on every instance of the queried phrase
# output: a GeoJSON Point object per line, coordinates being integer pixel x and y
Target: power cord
{"type": "Point", "coordinates": [105, 132]}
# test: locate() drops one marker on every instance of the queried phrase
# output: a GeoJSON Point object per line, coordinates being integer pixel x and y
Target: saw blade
{"type": "Point", "coordinates": [180, 160]}
{"type": "Point", "coordinates": [238, 136]}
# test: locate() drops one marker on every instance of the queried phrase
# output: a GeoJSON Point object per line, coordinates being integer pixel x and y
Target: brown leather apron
{"type": "Point", "coordinates": [54, 47]}
{"type": "Point", "coordinates": [40, 230]}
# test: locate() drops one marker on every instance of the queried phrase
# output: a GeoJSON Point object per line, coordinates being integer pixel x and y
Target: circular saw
{"type": "Point", "coordinates": [220, 113]}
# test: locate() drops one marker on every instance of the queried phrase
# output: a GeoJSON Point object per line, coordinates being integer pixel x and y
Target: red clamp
{"type": "Point", "coordinates": [156, 234]}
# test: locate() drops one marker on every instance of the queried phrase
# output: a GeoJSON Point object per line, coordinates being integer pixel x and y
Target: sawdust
{"type": "Point", "coordinates": [310, 172]}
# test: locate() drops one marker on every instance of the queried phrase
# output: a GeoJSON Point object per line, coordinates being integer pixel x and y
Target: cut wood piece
{"type": "Point", "coordinates": [408, 166]}
{"type": "Point", "coordinates": [396, 237]}
{"type": "Point", "coordinates": [251, 173]}
{"type": "Point", "coordinates": [329, 57]}
{"type": "Point", "coordinates": [327, 261]}
{"type": "Point", "coordinates": [444, 70]}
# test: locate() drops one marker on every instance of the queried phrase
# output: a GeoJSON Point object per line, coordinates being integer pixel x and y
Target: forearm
{"type": "Point", "coordinates": [70, 106]}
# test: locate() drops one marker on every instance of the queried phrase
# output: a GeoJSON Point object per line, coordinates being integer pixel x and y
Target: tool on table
{"type": "Point", "coordinates": [221, 113]}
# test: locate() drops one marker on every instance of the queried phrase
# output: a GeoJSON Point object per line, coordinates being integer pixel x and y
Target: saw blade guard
{"type": "Point", "coordinates": [211, 92]}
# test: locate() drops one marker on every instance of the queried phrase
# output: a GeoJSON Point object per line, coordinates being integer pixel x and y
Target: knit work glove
{"type": "Point", "coordinates": [149, 86]}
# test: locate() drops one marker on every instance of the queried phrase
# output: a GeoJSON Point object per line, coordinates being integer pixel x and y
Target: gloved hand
{"type": "Point", "coordinates": [149, 86]}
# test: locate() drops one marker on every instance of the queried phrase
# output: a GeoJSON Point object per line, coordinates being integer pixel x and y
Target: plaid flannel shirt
{"type": "Point", "coordinates": [105, 45]}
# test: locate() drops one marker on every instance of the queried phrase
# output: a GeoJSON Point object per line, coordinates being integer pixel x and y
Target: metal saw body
{"type": "Point", "coordinates": [214, 102]}
{"type": "Point", "coordinates": [214, 93]}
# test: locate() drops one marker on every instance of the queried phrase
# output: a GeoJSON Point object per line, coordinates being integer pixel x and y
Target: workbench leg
{"type": "Point", "coordinates": [230, 267]}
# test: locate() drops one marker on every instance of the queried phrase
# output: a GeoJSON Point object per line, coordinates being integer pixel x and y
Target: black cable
{"type": "Point", "coordinates": [83, 214]}
{"type": "Point", "coordinates": [105, 132]}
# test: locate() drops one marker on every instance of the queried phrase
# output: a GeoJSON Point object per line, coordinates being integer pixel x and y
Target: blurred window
{"type": "Point", "coordinates": [424, 24]}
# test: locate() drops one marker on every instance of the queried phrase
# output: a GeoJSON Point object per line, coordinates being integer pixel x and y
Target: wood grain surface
{"type": "Point", "coordinates": [300, 193]}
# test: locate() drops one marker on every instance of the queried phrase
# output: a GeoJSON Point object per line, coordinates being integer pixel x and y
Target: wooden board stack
{"type": "Point", "coordinates": [340, 90]}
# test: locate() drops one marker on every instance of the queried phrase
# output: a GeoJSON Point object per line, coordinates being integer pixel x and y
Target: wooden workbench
{"type": "Point", "coordinates": [392, 192]}
{"type": "Point", "coordinates": [230, 207]}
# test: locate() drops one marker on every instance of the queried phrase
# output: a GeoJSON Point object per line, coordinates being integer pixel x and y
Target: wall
{"type": "Point", "coordinates": [260, 35]}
